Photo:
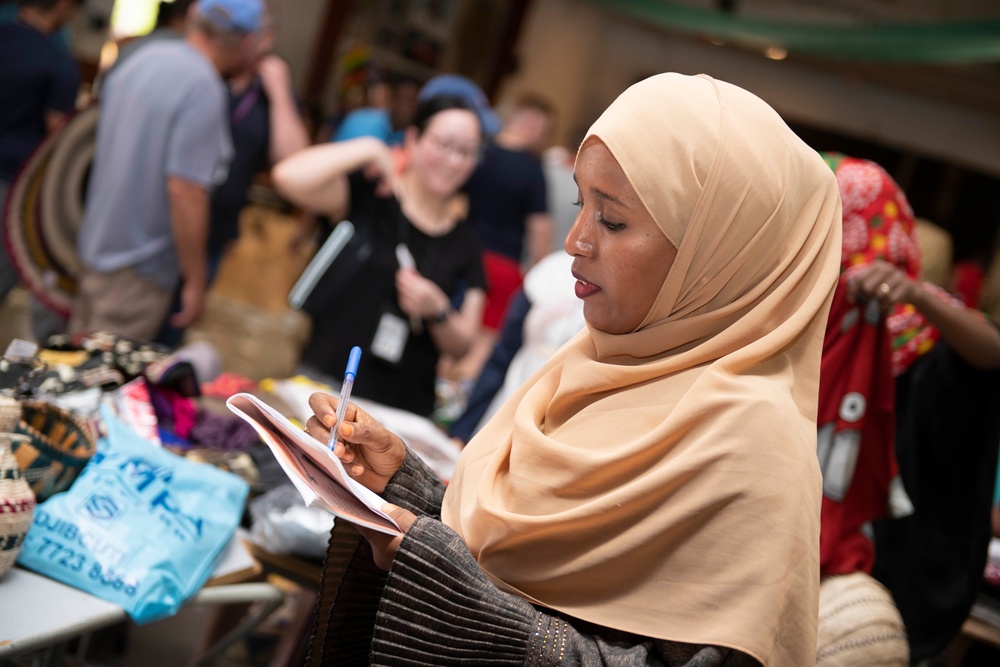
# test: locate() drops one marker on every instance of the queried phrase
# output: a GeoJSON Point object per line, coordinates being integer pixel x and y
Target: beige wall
{"type": "Point", "coordinates": [298, 23]}
{"type": "Point", "coordinates": [555, 62]}
{"type": "Point", "coordinates": [582, 57]}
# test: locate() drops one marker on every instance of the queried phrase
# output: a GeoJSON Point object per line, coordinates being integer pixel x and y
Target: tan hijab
{"type": "Point", "coordinates": [665, 481]}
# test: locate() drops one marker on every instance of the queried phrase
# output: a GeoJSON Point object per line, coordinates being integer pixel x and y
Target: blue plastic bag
{"type": "Point", "coordinates": [140, 527]}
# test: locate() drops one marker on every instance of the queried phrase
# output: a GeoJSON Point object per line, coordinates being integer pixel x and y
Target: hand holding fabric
{"type": "Point", "coordinates": [882, 281]}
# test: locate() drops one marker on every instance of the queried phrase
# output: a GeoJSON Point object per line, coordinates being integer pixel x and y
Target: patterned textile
{"type": "Point", "coordinates": [856, 432]}
{"type": "Point", "coordinates": [56, 448]}
{"type": "Point", "coordinates": [879, 224]}
{"type": "Point", "coordinates": [863, 350]}
{"type": "Point", "coordinates": [860, 358]}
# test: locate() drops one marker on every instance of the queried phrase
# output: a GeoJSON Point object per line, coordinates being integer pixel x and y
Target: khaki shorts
{"type": "Point", "coordinates": [122, 303]}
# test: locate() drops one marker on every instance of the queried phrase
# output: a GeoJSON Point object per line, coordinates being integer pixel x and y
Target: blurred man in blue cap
{"type": "Point", "coordinates": [163, 143]}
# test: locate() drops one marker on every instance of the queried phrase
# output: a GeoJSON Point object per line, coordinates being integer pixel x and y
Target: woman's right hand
{"type": "Point", "coordinates": [371, 453]}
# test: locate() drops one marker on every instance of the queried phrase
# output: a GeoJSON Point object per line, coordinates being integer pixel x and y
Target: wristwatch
{"type": "Point", "coordinates": [440, 317]}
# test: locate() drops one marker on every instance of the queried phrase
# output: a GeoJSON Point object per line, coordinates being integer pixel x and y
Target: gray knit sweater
{"type": "Point", "coordinates": [436, 607]}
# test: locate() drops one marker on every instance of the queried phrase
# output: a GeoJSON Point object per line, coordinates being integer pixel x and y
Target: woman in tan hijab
{"type": "Point", "coordinates": [651, 495]}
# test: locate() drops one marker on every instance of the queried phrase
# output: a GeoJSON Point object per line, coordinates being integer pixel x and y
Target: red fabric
{"type": "Point", "coordinates": [856, 425]}
{"type": "Point", "coordinates": [968, 282]}
{"type": "Point", "coordinates": [503, 279]}
{"type": "Point", "coordinates": [862, 356]}
{"type": "Point", "coordinates": [227, 384]}
{"type": "Point", "coordinates": [863, 351]}
{"type": "Point", "coordinates": [879, 224]}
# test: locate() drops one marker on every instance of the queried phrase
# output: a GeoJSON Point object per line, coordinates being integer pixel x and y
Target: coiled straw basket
{"type": "Point", "coordinates": [17, 502]}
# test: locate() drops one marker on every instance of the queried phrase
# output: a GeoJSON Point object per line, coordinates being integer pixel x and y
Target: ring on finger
{"type": "Point", "coordinates": [884, 289]}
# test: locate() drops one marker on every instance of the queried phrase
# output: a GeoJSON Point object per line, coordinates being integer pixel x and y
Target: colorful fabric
{"type": "Point", "coordinates": [856, 432]}
{"type": "Point", "coordinates": [879, 224]}
{"type": "Point", "coordinates": [57, 446]}
{"type": "Point", "coordinates": [863, 351]}
{"type": "Point", "coordinates": [861, 356]}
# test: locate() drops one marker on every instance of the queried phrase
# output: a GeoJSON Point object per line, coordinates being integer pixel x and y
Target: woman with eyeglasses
{"type": "Point", "coordinates": [410, 256]}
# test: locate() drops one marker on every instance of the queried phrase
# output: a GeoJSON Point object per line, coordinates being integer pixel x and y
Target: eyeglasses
{"type": "Point", "coordinates": [448, 147]}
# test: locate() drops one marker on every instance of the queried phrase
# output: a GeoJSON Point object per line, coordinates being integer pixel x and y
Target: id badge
{"type": "Point", "coordinates": [390, 338]}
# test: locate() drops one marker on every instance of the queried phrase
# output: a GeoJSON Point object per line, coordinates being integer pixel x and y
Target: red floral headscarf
{"type": "Point", "coordinates": [879, 224]}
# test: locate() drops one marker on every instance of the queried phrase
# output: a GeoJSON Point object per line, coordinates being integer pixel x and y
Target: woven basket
{"type": "Point", "coordinates": [57, 447]}
{"type": "Point", "coordinates": [859, 624]}
{"type": "Point", "coordinates": [17, 502]}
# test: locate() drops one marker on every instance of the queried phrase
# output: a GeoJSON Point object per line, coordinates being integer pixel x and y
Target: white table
{"type": "Point", "coordinates": [37, 612]}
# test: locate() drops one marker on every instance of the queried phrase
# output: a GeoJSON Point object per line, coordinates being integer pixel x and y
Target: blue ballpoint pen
{"type": "Point", "coordinates": [345, 393]}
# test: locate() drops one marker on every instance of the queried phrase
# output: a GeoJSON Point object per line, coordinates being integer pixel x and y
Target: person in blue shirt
{"type": "Point", "coordinates": [387, 123]}
{"type": "Point", "coordinates": [163, 144]}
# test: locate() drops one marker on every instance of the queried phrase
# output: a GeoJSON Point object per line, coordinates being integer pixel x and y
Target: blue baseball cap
{"type": "Point", "coordinates": [242, 15]}
{"type": "Point", "coordinates": [459, 86]}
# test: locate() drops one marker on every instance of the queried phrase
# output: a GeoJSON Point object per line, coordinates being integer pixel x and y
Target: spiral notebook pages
{"type": "Point", "coordinates": [317, 474]}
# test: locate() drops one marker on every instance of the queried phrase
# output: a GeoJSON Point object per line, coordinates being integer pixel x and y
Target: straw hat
{"type": "Point", "coordinates": [859, 624]}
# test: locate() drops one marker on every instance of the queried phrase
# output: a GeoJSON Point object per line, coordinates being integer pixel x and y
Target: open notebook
{"type": "Point", "coordinates": [317, 474]}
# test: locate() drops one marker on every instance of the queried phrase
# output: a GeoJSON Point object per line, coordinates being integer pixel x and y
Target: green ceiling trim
{"type": "Point", "coordinates": [964, 42]}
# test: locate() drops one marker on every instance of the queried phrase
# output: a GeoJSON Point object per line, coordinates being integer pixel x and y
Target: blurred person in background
{"type": "Point", "coordinates": [402, 316]}
{"type": "Point", "coordinates": [542, 315]}
{"type": "Point", "coordinates": [387, 115]}
{"type": "Point", "coordinates": [260, 137]}
{"type": "Point", "coordinates": [508, 210]}
{"type": "Point", "coordinates": [266, 127]}
{"type": "Point", "coordinates": [387, 111]}
{"type": "Point", "coordinates": [908, 388]}
{"type": "Point", "coordinates": [171, 23]}
{"type": "Point", "coordinates": [38, 86]}
{"type": "Point", "coordinates": [163, 144]}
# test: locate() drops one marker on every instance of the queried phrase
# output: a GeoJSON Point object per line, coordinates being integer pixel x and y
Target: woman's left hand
{"type": "Point", "coordinates": [384, 546]}
{"type": "Point", "coordinates": [418, 296]}
{"type": "Point", "coordinates": [882, 281]}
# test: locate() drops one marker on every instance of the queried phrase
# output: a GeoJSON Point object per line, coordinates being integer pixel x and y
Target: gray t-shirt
{"type": "Point", "coordinates": [163, 114]}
